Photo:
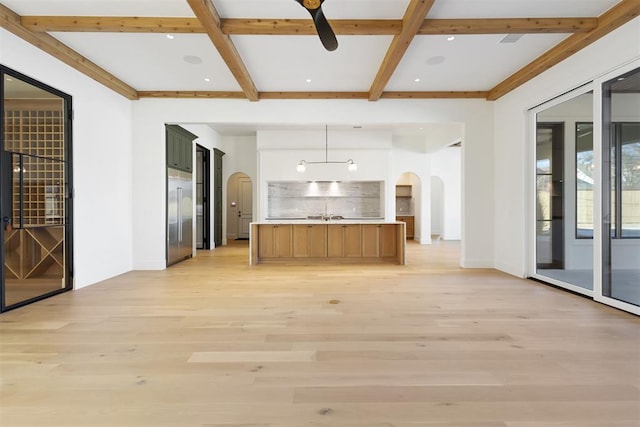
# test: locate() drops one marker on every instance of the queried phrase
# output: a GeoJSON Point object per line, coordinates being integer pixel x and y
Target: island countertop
{"type": "Point", "coordinates": [348, 240]}
{"type": "Point", "coordinates": [295, 221]}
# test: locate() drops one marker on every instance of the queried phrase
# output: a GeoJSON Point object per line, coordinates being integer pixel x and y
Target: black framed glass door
{"type": "Point", "coordinates": [35, 191]}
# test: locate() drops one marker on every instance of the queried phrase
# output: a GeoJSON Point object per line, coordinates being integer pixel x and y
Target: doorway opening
{"type": "Point", "coordinates": [203, 185]}
{"type": "Point", "coordinates": [239, 206]}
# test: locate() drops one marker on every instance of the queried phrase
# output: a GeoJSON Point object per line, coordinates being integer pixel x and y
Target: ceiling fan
{"type": "Point", "coordinates": [327, 36]}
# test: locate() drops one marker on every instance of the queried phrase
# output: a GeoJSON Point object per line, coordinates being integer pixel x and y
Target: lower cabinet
{"type": "Point", "coordinates": [274, 241]}
{"type": "Point", "coordinates": [410, 221]}
{"type": "Point", "coordinates": [344, 241]}
{"type": "Point", "coordinates": [379, 240]}
{"type": "Point", "coordinates": [310, 241]}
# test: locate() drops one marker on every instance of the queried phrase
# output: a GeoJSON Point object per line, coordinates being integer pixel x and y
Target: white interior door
{"type": "Point", "coordinates": [245, 207]}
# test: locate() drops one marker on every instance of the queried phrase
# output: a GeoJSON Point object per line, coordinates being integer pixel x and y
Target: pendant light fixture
{"type": "Point", "coordinates": [351, 165]}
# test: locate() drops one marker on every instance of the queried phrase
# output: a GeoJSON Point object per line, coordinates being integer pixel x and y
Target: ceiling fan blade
{"type": "Point", "coordinates": [327, 36]}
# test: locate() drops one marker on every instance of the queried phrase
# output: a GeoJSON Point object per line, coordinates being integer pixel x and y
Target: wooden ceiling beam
{"type": "Point", "coordinates": [210, 20]}
{"type": "Point", "coordinates": [344, 27]}
{"type": "Point", "coordinates": [112, 24]}
{"type": "Point", "coordinates": [11, 21]}
{"type": "Point", "coordinates": [435, 95]}
{"type": "Point", "coordinates": [615, 17]}
{"type": "Point", "coordinates": [191, 94]}
{"type": "Point", "coordinates": [413, 18]}
{"type": "Point", "coordinates": [305, 27]}
{"type": "Point", "coordinates": [314, 95]}
{"type": "Point", "coordinates": [507, 26]}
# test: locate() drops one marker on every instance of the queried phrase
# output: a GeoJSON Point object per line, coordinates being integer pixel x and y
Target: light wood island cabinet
{"type": "Point", "coordinates": [319, 242]}
{"type": "Point", "coordinates": [310, 241]}
{"type": "Point", "coordinates": [274, 241]}
{"type": "Point", "coordinates": [344, 241]}
{"type": "Point", "coordinates": [379, 240]}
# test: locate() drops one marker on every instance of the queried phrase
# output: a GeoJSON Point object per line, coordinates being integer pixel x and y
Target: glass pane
{"type": "Point", "coordinates": [621, 137]}
{"type": "Point", "coordinates": [584, 180]}
{"type": "Point", "coordinates": [564, 252]}
{"type": "Point", "coordinates": [630, 179]}
{"type": "Point", "coordinates": [33, 192]}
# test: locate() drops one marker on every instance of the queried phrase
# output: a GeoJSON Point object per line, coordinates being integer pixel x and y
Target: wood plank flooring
{"type": "Point", "coordinates": [214, 342]}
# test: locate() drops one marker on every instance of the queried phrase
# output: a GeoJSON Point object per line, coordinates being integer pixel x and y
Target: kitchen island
{"type": "Point", "coordinates": [305, 241]}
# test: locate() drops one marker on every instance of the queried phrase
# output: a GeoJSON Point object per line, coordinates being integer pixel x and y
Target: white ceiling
{"type": "Point", "coordinates": [153, 62]}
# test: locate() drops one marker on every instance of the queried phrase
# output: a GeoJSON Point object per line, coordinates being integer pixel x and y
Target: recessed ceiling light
{"type": "Point", "coordinates": [436, 60]}
{"type": "Point", "coordinates": [416, 80]}
{"type": "Point", "coordinates": [308, 80]}
{"type": "Point", "coordinates": [451, 38]}
{"type": "Point", "coordinates": [192, 59]}
{"type": "Point", "coordinates": [207, 79]}
{"type": "Point", "coordinates": [170, 36]}
{"type": "Point", "coordinates": [620, 79]}
{"type": "Point", "coordinates": [9, 79]}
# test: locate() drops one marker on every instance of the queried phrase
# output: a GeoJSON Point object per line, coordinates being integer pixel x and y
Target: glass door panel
{"type": "Point", "coordinates": [564, 193]}
{"type": "Point", "coordinates": [33, 190]}
{"type": "Point", "coordinates": [549, 196]}
{"type": "Point", "coordinates": [34, 243]}
{"type": "Point", "coordinates": [621, 188]}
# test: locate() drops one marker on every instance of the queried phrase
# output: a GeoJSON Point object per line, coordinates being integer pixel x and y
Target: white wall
{"type": "Point", "coordinates": [102, 162]}
{"type": "Point", "coordinates": [279, 152]}
{"type": "Point", "coordinates": [446, 165]}
{"type": "Point", "coordinates": [511, 135]}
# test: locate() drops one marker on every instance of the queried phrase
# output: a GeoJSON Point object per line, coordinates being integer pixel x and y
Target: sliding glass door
{"type": "Point", "coordinates": [621, 188]}
{"type": "Point", "coordinates": [34, 191]}
{"type": "Point", "coordinates": [585, 183]}
{"type": "Point", "coordinates": [563, 175]}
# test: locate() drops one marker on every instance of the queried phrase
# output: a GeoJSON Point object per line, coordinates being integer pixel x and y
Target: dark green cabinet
{"type": "Point", "coordinates": [179, 148]}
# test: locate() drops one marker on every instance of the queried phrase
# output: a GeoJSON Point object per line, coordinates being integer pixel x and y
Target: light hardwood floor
{"type": "Point", "coordinates": [214, 342]}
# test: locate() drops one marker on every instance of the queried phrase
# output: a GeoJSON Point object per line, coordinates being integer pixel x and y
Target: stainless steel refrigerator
{"type": "Point", "coordinates": [179, 215]}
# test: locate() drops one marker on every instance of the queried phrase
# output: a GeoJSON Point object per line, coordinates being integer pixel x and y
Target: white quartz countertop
{"type": "Point", "coordinates": [320, 221]}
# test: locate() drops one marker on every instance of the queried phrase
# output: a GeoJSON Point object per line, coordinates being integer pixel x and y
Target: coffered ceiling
{"type": "Point", "coordinates": [268, 49]}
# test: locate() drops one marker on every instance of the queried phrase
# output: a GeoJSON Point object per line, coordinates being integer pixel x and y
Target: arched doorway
{"type": "Point", "coordinates": [239, 206]}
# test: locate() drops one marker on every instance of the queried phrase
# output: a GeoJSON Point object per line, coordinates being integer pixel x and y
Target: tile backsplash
{"type": "Point", "coordinates": [351, 199]}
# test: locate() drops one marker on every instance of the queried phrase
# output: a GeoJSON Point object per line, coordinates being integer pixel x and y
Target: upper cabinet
{"type": "Point", "coordinates": [179, 148]}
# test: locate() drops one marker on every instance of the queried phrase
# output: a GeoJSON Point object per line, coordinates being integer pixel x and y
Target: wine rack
{"type": "Point", "coordinates": [34, 252]}
{"type": "Point", "coordinates": [34, 133]}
